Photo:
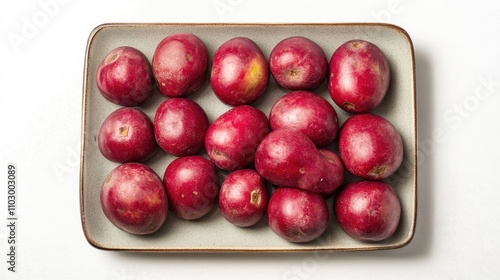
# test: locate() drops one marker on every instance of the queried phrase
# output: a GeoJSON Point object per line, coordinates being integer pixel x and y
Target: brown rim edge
{"type": "Point", "coordinates": [90, 39]}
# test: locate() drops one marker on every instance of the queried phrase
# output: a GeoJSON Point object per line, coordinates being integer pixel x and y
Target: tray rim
{"type": "Point", "coordinates": [85, 87]}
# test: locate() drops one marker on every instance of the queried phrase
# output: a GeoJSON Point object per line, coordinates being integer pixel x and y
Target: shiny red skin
{"type": "Point", "coordinates": [127, 135]}
{"type": "Point", "coordinates": [368, 210]}
{"type": "Point", "coordinates": [243, 197]}
{"type": "Point", "coordinates": [240, 72]}
{"type": "Point", "coordinates": [180, 64]}
{"type": "Point", "coordinates": [134, 199]}
{"type": "Point", "coordinates": [370, 146]}
{"type": "Point", "coordinates": [180, 125]}
{"type": "Point", "coordinates": [124, 77]}
{"type": "Point", "coordinates": [297, 215]}
{"type": "Point", "coordinates": [288, 158]}
{"type": "Point", "coordinates": [298, 63]}
{"type": "Point", "coordinates": [334, 174]}
{"type": "Point", "coordinates": [232, 139]}
{"type": "Point", "coordinates": [359, 76]}
{"type": "Point", "coordinates": [192, 186]}
{"type": "Point", "coordinates": [308, 112]}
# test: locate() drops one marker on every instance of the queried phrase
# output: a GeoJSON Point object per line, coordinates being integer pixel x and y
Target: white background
{"type": "Point", "coordinates": [458, 87]}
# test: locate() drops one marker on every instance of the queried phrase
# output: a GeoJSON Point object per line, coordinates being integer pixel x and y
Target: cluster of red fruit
{"type": "Point", "coordinates": [288, 148]}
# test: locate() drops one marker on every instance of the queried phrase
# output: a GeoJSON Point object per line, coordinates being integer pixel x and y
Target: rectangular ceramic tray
{"type": "Point", "coordinates": [213, 233]}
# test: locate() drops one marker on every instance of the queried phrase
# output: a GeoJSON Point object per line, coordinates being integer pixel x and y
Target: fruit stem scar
{"type": "Point", "coordinates": [108, 179]}
{"type": "Point", "coordinates": [111, 58]}
{"type": "Point", "coordinates": [356, 44]}
{"type": "Point", "coordinates": [348, 106]}
{"type": "Point", "coordinates": [379, 170]}
{"type": "Point", "coordinates": [218, 154]}
{"type": "Point", "coordinates": [255, 197]}
{"type": "Point", "coordinates": [296, 232]}
{"type": "Point", "coordinates": [123, 131]}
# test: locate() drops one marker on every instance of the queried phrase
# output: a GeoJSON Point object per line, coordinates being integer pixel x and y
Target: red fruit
{"type": "Point", "coordinates": [307, 112]}
{"type": "Point", "coordinates": [334, 174]}
{"type": "Point", "coordinates": [297, 215]}
{"type": "Point", "coordinates": [359, 76]}
{"type": "Point", "coordinates": [127, 135]}
{"type": "Point", "coordinates": [240, 72]}
{"type": "Point", "coordinates": [180, 125]}
{"type": "Point", "coordinates": [298, 63]}
{"type": "Point", "coordinates": [232, 139]}
{"type": "Point", "coordinates": [288, 158]}
{"type": "Point", "coordinates": [370, 146]}
{"type": "Point", "coordinates": [180, 64]}
{"type": "Point", "coordinates": [243, 197]}
{"type": "Point", "coordinates": [192, 186]}
{"type": "Point", "coordinates": [133, 198]}
{"type": "Point", "coordinates": [368, 210]}
{"type": "Point", "coordinates": [124, 77]}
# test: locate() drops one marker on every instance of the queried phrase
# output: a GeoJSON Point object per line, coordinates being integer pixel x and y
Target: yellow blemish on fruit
{"type": "Point", "coordinates": [153, 201]}
{"type": "Point", "coordinates": [376, 68]}
{"type": "Point", "coordinates": [189, 57]}
{"type": "Point", "coordinates": [123, 131]}
{"type": "Point", "coordinates": [256, 72]}
{"type": "Point", "coordinates": [254, 76]}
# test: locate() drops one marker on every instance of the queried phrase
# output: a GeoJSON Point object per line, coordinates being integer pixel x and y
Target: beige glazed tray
{"type": "Point", "coordinates": [213, 233]}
